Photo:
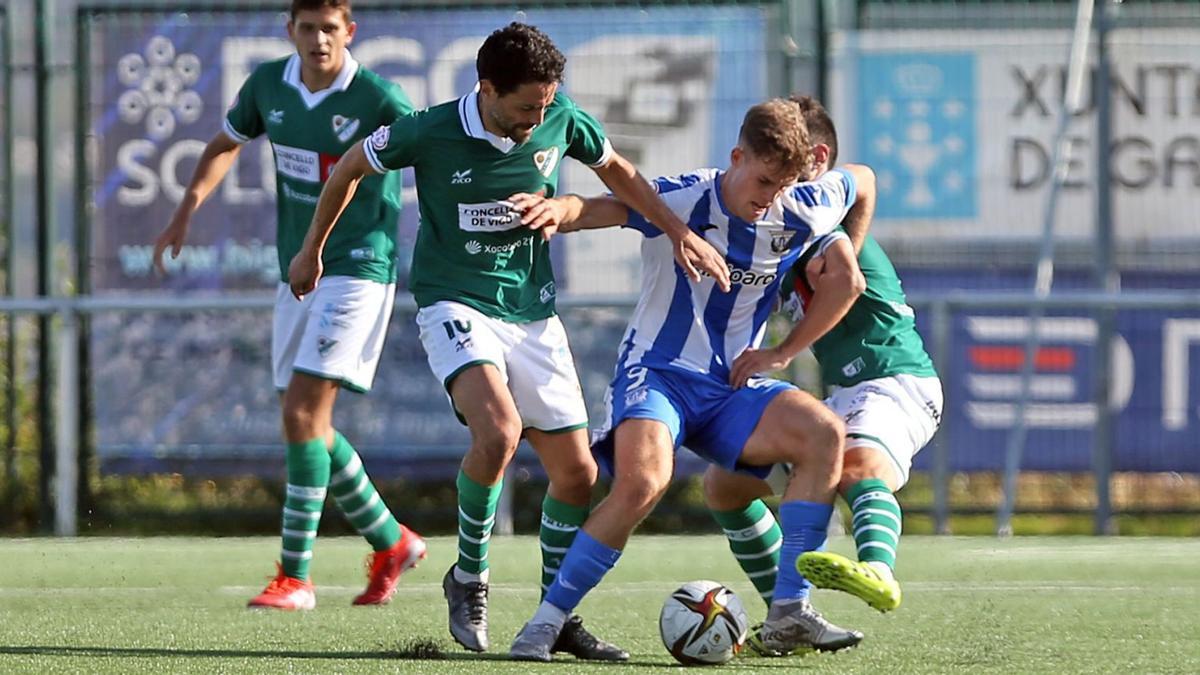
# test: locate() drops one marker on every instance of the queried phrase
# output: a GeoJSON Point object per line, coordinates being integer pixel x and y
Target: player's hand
{"type": "Point", "coordinates": [698, 257]}
{"type": "Point", "coordinates": [539, 213]}
{"type": "Point", "coordinates": [304, 272]}
{"type": "Point", "coordinates": [756, 361]}
{"type": "Point", "coordinates": [173, 236]}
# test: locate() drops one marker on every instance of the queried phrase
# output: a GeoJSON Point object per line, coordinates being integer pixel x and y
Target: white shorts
{"type": "Point", "coordinates": [896, 416]}
{"type": "Point", "coordinates": [533, 358]}
{"type": "Point", "coordinates": [336, 332]}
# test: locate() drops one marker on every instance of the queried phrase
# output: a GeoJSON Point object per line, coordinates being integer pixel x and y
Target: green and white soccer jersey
{"type": "Point", "coordinates": [884, 384]}
{"type": "Point", "coordinates": [877, 337]}
{"type": "Point", "coordinates": [471, 248]}
{"type": "Point", "coordinates": [308, 132]}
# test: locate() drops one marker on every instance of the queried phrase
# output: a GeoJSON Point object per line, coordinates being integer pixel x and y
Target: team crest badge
{"type": "Point", "coordinates": [546, 160]}
{"type": "Point", "coordinates": [779, 242]}
{"type": "Point", "coordinates": [379, 139]}
{"type": "Point", "coordinates": [344, 127]}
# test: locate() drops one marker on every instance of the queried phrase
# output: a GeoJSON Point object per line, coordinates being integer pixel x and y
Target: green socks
{"type": "Point", "coordinates": [875, 520]}
{"type": "Point", "coordinates": [560, 522]}
{"type": "Point", "coordinates": [476, 516]}
{"type": "Point", "coordinates": [754, 537]}
{"type": "Point", "coordinates": [308, 474]}
{"type": "Point", "coordinates": [357, 498]}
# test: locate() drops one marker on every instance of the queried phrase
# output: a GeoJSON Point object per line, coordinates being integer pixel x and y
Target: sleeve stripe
{"type": "Point", "coordinates": [605, 156]}
{"type": "Point", "coordinates": [829, 239]}
{"type": "Point", "coordinates": [372, 158]}
{"type": "Point", "coordinates": [233, 134]}
{"type": "Point", "coordinates": [851, 187]}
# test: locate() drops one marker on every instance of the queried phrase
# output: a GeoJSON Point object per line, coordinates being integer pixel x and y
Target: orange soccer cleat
{"type": "Point", "coordinates": [286, 592]}
{"type": "Point", "coordinates": [385, 567]}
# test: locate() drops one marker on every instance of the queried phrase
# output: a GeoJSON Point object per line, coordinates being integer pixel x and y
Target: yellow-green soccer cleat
{"type": "Point", "coordinates": [830, 570]}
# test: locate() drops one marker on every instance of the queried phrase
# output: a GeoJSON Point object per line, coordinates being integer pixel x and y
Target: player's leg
{"type": "Point", "coordinates": [341, 347]}
{"type": "Point", "coordinates": [644, 463]}
{"type": "Point", "coordinates": [466, 352]}
{"type": "Point", "coordinates": [797, 429]}
{"type": "Point", "coordinates": [572, 471]}
{"type": "Point", "coordinates": [735, 501]}
{"type": "Point", "coordinates": [545, 387]}
{"type": "Point", "coordinates": [307, 469]}
{"type": "Point", "coordinates": [888, 421]}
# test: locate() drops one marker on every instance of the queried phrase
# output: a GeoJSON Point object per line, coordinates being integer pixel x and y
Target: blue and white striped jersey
{"type": "Point", "coordinates": [682, 324]}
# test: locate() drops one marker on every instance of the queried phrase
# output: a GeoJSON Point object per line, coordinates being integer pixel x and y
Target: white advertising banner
{"type": "Point", "coordinates": [959, 125]}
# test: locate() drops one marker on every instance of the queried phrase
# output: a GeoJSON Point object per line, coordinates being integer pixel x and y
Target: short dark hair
{"type": "Point", "coordinates": [302, 5]}
{"type": "Point", "coordinates": [820, 125]}
{"type": "Point", "coordinates": [774, 131]}
{"type": "Point", "coordinates": [519, 54]}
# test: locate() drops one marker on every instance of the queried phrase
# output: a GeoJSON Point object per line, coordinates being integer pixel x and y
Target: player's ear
{"type": "Point", "coordinates": [820, 161]}
{"type": "Point", "coordinates": [487, 88]}
{"type": "Point", "coordinates": [291, 30]}
{"type": "Point", "coordinates": [736, 155]}
{"type": "Point", "coordinates": [350, 30]}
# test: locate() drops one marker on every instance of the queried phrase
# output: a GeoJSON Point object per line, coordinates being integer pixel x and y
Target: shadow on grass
{"type": "Point", "coordinates": [125, 652]}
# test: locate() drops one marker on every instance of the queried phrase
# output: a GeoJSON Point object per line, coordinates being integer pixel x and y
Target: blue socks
{"type": "Point", "coordinates": [805, 525]}
{"type": "Point", "coordinates": [584, 565]}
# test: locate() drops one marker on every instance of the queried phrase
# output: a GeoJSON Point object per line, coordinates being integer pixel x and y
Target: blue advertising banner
{"type": "Point", "coordinates": [669, 83]}
{"type": "Point", "coordinates": [1155, 382]}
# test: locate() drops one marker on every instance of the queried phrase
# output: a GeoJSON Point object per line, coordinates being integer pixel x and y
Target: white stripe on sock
{"type": "Point", "coordinates": [762, 554]}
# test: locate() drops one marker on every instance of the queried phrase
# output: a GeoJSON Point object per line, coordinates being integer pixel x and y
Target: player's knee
{"type": "Point", "coordinates": [721, 494]}
{"type": "Point", "coordinates": [638, 494]}
{"type": "Point", "coordinates": [497, 440]}
{"type": "Point", "coordinates": [575, 476]}
{"type": "Point", "coordinates": [823, 441]}
{"type": "Point", "coordinates": [299, 422]}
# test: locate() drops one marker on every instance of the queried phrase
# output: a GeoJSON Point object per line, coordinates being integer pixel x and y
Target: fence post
{"type": "Point", "coordinates": [66, 478]}
{"type": "Point", "coordinates": [941, 439]}
{"type": "Point", "coordinates": [1106, 279]}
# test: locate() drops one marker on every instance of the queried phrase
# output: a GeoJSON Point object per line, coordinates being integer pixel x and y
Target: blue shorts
{"type": "Point", "coordinates": [711, 418]}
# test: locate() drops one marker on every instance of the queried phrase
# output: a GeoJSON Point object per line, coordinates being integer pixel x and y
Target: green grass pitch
{"type": "Point", "coordinates": [971, 605]}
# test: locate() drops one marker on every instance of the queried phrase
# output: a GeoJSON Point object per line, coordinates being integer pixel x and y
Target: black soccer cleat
{"type": "Point", "coordinates": [574, 639]}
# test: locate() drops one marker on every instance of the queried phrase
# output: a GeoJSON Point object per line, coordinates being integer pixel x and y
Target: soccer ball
{"type": "Point", "coordinates": [703, 623]}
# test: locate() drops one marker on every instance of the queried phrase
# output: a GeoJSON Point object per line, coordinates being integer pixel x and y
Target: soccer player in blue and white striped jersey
{"type": "Point", "coordinates": [687, 371]}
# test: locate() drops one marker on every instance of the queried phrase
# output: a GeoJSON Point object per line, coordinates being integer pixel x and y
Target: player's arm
{"type": "Point", "coordinates": [837, 282]}
{"type": "Point", "coordinates": [305, 269]}
{"type": "Point", "coordinates": [858, 220]}
{"type": "Point", "coordinates": [214, 163]}
{"type": "Point", "coordinates": [568, 213]}
{"type": "Point", "coordinates": [692, 253]}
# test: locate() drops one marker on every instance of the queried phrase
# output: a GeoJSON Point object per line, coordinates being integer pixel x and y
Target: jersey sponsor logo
{"type": "Point", "coordinates": [344, 127]}
{"type": "Point", "coordinates": [297, 196]}
{"type": "Point", "coordinates": [364, 253]}
{"type": "Point", "coordinates": [305, 165]}
{"type": "Point", "coordinates": [750, 277]}
{"type": "Point", "coordinates": [487, 217]}
{"type": "Point", "coordinates": [298, 163]}
{"type": "Point", "coordinates": [475, 248]}
{"type": "Point", "coordinates": [275, 116]}
{"type": "Point", "coordinates": [460, 177]}
{"type": "Point", "coordinates": [546, 293]}
{"type": "Point", "coordinates": [380, 137]}
{"type": "Point", "coordinates": [854, 367]}
{"type": "Point", "coordinates": [546, 160]}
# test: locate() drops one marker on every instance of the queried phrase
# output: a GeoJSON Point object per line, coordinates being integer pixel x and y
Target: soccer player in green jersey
{"type": "Point", "coordinates": [886, 390]}
{"type": "Point", "coordinates": [485, 291]}
{"type": "Point", "coordinates": [312, 106]}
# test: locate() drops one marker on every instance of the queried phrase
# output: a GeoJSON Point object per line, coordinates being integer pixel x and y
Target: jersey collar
{"type": "Point", "coordinates": [291, 76]}
{"type": "Point", "coordinates": [472, 123]}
